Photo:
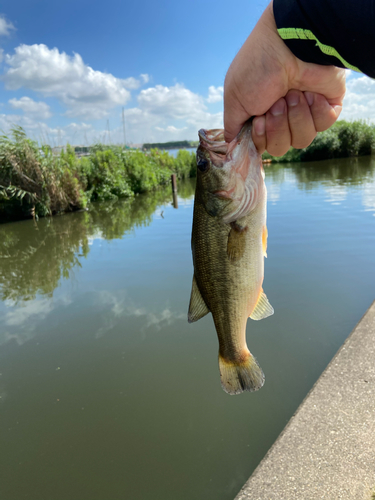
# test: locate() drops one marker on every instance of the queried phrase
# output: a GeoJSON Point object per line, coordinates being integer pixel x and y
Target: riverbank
{"type": "Point", "coordinates": [343, 140]}
{"type": "Point", "coordinates": [327, 449]}
{"type": "Point", "coordinates": [35, 183]}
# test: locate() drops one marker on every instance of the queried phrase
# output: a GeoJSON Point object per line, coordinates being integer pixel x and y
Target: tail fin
{"type": "Point", "coordinates": [237, 377]}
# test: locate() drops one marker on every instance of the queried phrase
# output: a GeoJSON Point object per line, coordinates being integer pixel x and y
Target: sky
{"type": "Point", "coordinates": [67, 69]}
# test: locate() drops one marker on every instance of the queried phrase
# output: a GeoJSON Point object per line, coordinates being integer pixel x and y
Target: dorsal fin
{"type": "Point", "coordinates": [197, 306]}
{"type": "Point", "coordinates": [263, 308]}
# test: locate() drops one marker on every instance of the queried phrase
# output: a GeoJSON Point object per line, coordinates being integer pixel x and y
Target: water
{"type": "Point", "coordinates": [174, 152]}
{"type": "Point", "coordinates": [108, 393]}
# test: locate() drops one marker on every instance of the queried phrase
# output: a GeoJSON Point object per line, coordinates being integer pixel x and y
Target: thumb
{"type": "Point", "coordinates": [235, 115]}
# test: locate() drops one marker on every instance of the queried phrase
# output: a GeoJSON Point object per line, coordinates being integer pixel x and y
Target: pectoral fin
{"type": "Point", "coordinates": [236, 241]}
{"type": "Point", "coordinates": [197, 306]}
{"type": "Point", "coordinates": [263, 308]}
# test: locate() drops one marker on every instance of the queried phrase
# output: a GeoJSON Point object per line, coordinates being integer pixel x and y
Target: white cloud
{"type": "Point", "coordinates": [215, 94]}
{"type": "Point", "coordinates": [7, 121]}
{"type": "Point", "coordinates": [173, 102]}
{"type": "Point", "coordinates": [162, 113]}
{"type": "Point", "coordinates": [131, 83]}
{"type": "Point", "coordinates": [359, 102]}
{"type": "Point", "coordinates": [169, 113]}
{"type": "Point", "coordinates": [1, 55]}
{"type": "Point", "coordinates": [171, 128]}
{"type": "Point", "coordinates": [74, 133]}
{"type": "Point", "coordinates": [5, 27]}
{"type": "Point", "coordinates": [32, 108]}
{"type": "Point", "coordinates": [84, 91]}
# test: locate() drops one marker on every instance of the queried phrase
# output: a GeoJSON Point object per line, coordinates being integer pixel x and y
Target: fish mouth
{"type": "Point", "coordinates": [214, 143]}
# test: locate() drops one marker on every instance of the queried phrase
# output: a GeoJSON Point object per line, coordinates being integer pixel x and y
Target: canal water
{"type": "Point", "coordinates": [106, 392]}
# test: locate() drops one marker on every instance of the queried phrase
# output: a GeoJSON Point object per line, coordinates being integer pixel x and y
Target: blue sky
{"type": "Point", "coordinates": [67, 68]}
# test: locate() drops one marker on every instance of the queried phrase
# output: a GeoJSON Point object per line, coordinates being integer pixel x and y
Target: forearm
{"type": "Point", "coordinates": [329, 32]}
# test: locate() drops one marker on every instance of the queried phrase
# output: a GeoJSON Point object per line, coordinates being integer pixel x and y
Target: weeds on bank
{"type": "Point", "coordinates": [34, 182]}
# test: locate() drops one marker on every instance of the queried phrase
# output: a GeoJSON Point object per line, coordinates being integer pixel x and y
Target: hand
{"type": "Point", "coordinates": [291, 99]}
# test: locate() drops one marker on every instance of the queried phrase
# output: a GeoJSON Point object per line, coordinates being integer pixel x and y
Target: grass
{"type": "Point", "coordinates": [34, 182]}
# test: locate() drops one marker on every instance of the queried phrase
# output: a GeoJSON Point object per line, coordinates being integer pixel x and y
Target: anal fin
{"type": "Point", "coordinates": [263, 308]}
{"type": "Point", "coordinates": [197, 306]}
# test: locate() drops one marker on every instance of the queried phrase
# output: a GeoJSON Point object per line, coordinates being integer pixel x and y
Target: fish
{"type": "Point", "coordinates": [229, 244]}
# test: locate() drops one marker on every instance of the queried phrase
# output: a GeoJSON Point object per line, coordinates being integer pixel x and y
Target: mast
{"type": "Point", "coordinates": [123, 125]}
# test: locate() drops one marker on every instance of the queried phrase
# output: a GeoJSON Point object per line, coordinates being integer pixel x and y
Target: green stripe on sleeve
{"type": "Point", "coordinates": [302, 34]}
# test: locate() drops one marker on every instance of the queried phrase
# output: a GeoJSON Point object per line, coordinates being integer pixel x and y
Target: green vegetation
{"type": "Point", "coordinates": [34, 182]}
{"type": "Point", "coordinates": [344, 139]}
{"type": "Point", "coordinates": [171, 145]}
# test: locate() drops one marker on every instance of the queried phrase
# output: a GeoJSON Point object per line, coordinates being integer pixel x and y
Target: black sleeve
{"type": "Point", "coordinates": [330, 32]}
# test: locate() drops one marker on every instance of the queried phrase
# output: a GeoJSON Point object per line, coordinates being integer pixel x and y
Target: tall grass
{"type": "Point", "coordinates": [34, 182]}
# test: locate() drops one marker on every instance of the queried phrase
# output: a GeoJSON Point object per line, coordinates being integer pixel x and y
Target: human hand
{"type": "Point", "coordinates": [291, 100]}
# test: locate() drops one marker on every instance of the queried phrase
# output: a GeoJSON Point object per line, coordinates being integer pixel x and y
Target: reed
{"type": "Point", "coordinates": [35, 183]}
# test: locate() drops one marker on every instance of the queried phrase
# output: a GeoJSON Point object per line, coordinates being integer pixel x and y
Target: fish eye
{"type": "Point", "coordinates": [203, 164]}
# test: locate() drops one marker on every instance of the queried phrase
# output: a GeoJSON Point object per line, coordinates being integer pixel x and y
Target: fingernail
{"type": "Point", "coordinates": [292, 99]}
{"type": "Point", "coordinates": [278, 108]}
{"type": "Point", "coordinates": [260, 125]}
{"type": "Point", "coordinates": [309, 98]}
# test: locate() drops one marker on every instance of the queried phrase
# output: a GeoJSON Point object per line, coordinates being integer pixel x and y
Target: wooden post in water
{"type": "Point", "coordinates": [174, 190]}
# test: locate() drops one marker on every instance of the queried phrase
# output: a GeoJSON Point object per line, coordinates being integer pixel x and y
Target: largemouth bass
{"type": "Point", "coordinates": [229, 243]}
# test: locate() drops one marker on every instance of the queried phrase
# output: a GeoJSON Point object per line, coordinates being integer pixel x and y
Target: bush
{"type": "Point", "coordinates": [186, 164]}
{"type": "Point", "coordinates": [343, 139]}
{"type": "Point", "coordinates": [105, 176]}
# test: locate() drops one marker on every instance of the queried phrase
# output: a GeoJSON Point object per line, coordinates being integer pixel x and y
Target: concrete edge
{"type": "Point", "coordinates": [245, 490]}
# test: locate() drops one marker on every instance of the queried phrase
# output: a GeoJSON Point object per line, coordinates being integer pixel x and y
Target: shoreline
{"type": "Point", "coordinates": [326, 450]}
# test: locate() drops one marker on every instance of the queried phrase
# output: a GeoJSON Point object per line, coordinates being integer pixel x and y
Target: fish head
{"type": "Point", "coordinates": [230, 177]}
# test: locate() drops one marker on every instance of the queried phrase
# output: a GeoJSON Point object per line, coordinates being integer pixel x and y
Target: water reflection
{"type": "Point", "coordinates": [35, 257]}
{"type": "Point", "coordinates": [117, 305]}
{"type": "Point", "coordinates": [20, 324]}
{"type": "Point", "coordinates": [345, 171]}
{"type": "Point", "coordinates": [369, 198]}
{"type": "Point", "coordinates": [336, 194]}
